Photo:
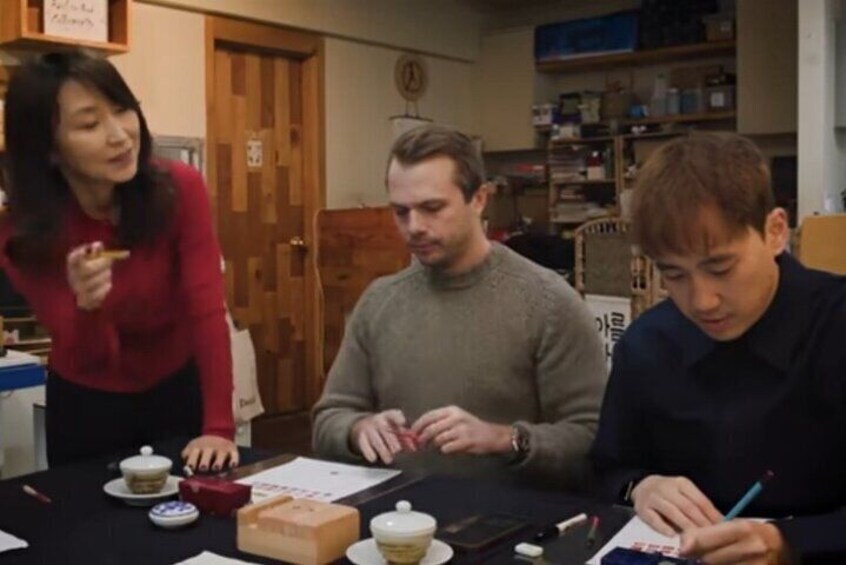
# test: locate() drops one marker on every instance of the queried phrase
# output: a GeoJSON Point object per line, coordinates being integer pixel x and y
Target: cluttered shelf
{"type": "Point", "coordinates": [667, 120]}
{"type": "Point", "coordinates": [581, 181]}
{"type": "Point", "coordinates": [724, 48]}
{"type": "Point", "coordinates": [685, 118]}
{"type": "Point", "coordinates": [557, 141]}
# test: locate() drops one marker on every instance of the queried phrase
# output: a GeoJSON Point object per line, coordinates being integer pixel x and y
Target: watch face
{"type": "Point", "coordinates": [523, 440]}
{"type": "Point", "coordinates": [520, 440]}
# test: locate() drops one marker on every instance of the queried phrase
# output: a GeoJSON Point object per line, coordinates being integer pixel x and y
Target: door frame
{"type": "Point", "coordinates": [308, 48]}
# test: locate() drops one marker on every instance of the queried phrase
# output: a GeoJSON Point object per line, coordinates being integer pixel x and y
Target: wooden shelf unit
{"type": "Point", "coordinates": [579, 182]}
{"type": "Point", "coordinates": [640, 58]}
{"type": "Point", "coordinates": [619, 145]}
{"type": "Point", "coordinates": [684, 118]}
{"type": "Point", "coordinates": [21, 27]}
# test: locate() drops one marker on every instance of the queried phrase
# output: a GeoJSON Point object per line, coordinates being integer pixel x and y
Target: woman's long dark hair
{"type": "Point", "coordinates": [38, 195]}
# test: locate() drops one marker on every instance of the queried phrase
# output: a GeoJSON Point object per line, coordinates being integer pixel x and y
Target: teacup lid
{"type": "Point", "coordinates": [174, 514]}
{"type": "Point", "coordinates": [173, 509]}
{"type": "Point", "coordinates": [403, 522]}
{"type": "Point", "coordinates": [146, 461]}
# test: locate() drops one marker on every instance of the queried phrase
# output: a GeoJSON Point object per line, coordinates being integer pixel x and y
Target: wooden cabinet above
{"type": "Point", "coordinates": [22, 25]}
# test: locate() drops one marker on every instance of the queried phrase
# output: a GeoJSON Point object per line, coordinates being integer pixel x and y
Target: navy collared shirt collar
{"type": "Point", "coordinates": [774, 336]}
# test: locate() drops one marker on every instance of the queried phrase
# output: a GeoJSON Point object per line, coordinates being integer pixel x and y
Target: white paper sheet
{"type": "Point", "coordinates": [315, 480]}
{"type": "Point", "coordinates": [637, 535]}
{"type": "Point", "coordinates": [9, 542]}
{"type": "Point", "coordinates": [209, 558]}
{"type": "Point", "coordinates": [16, 358]}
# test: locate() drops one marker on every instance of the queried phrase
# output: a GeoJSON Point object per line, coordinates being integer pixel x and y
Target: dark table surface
{"type": "Point", "coordinates": [84, 525]}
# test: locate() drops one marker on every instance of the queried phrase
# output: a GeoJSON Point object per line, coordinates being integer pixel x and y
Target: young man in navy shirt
{"type": "Point", "coordinates": [741, 372]}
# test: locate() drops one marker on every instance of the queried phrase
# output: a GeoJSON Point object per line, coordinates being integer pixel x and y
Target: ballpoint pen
{"type": "Point", "coordinates": [37, 495]}
{"type": "Point", "coordinates": [591, 537]}
{"type": "Point", "coordinates": [555, 530]}
{"type": "Point", "coordinates": [750, 495]}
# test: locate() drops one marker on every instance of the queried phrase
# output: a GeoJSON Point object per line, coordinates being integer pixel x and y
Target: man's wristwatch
{"type": "Point", "coordinates": [628, 489]}
{"type": "Point", "coordinates": [520, 442]}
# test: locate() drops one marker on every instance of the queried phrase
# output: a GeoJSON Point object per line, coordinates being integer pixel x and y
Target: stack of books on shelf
{"type": "Point", "coordinates": [567, 167]}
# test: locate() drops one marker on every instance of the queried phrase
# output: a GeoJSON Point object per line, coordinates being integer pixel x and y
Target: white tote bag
{"type": "Point", "coordinates": [246, 400]}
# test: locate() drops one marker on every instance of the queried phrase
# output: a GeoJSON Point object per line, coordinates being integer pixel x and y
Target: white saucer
{"type": "Point", "coordinates": [365, 552]}
{"type": "Point", "coordinates": [118, 489]}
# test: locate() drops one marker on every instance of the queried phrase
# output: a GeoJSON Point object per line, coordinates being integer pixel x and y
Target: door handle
{"type": "Point", "coordinates": [298, 242]}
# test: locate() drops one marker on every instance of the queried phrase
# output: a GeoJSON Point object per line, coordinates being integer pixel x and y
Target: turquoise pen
{"type": "Point", "coordinates": [750, 495]}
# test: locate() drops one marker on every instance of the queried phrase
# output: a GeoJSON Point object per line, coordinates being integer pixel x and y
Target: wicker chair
{"type": "Point", "coordinates": [608, 264]}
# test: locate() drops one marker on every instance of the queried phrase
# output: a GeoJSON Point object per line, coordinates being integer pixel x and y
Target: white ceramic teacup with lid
{"type": "Point", "coordinates": [145, 473]}
{"type": "Point", "coordinates": [403, 536]}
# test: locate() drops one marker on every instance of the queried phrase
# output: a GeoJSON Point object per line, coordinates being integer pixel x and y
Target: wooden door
{"type": "Point", "coordinates": [264, 120]}
{"type": "Point", "coordinates": [259, 213]}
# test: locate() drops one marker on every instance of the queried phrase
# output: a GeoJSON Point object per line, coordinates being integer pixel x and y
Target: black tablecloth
{"type": "Point", "coordinates": [83, 525]}
{"type": "Point", "coordinates": [451, 499]}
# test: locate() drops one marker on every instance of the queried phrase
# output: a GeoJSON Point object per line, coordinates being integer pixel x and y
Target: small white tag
{"type": "Point", "coordinates": [255, 152]}
{"type": "Point", "coordinates": [528, 550]}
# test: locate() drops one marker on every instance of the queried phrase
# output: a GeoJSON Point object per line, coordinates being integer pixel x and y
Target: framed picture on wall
{"type": "Point", "coordinates": [77, 19]}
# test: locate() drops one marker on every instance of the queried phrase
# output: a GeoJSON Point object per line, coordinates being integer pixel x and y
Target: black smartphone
{"type": "Point", "coordinates": [478, 531]}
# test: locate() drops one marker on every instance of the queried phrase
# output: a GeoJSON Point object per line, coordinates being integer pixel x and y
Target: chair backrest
{"type": "Point", "coordinates": [822, 243]}
{"type": "Point", "coordinates": [607, 264]}
{"type": "Point", "coordinates": [354, 246]}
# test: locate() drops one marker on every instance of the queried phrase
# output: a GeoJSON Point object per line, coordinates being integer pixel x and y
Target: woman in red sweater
{"type": "Point", "coordinates": [140, 345]}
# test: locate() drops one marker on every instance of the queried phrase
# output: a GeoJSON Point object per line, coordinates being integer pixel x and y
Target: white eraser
{"type": "Point", "coordinates": [528, 550]}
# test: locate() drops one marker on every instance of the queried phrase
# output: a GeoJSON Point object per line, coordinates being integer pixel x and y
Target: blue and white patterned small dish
{"type": "Point", "coordinates": [173, 514]}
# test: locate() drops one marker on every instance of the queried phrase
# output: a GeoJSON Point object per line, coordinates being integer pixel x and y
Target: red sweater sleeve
{"type": "Point", "coordinates": [201, 283]}
{"type": "Point", "coordinates": [90, 334]}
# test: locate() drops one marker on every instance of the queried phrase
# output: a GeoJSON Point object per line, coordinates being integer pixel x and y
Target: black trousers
{"type": "Point", "coordinates": [83, 422]}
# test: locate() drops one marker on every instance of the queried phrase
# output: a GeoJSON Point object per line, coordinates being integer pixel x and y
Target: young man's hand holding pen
{"type": "Point", "coordinates": [736, 541]}
{"type": "Point", "coordinates": [675, 504]}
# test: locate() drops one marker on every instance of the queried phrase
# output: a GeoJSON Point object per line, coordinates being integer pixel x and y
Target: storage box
{"type": "Point", "coordinates": [591, 36]}
{"type": "Point", "coordinates": [297, 531]}
{"type": "Point", "coordinates": [543, 114]}
{"type": "Point", "coordinates": [719, 27]}
{"type": "Point", "coordinates": [214, 496]}
{"type": "Point", "coordinates": [692, 76]}
{"type": "Point", "coordinates": [719, 98]}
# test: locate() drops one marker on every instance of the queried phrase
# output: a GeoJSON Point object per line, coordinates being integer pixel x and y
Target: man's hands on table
{"type": "Point", "coordinates": [675, 504]}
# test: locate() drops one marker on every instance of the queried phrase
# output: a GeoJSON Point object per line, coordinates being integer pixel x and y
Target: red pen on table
{"type": "Point", "coordinates": [41, 497]}
{"type": "Point", "coordinates": [406, 436]}
{"type": "Point", "coordinates": [594, 526]}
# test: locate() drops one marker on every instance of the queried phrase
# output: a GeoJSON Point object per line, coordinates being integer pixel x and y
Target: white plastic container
{"type": "Point", "coordinates": [658, 102]}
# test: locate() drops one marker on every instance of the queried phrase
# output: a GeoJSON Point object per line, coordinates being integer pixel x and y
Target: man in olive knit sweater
{"type": "Point", "coordinates": [473, 360]}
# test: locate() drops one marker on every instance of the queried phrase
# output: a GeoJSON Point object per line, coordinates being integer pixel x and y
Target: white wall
{"type": "Point", "coordinates": [508, 86]}
{"type": "Point", "coordinates": [440, 27]}
{"type": "Point", "coordinates": [821, 148]}
{"type": "Point", "coordinates": [361, 98]}
{"type": "Point", "coordinates": [166, 69]}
